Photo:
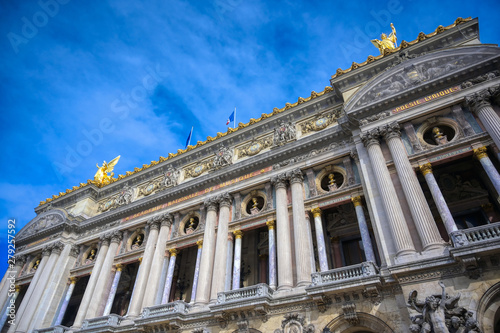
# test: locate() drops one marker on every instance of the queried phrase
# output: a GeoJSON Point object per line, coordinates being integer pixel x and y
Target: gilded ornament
{"type": "Point", "coordinates": [425, 168]}
{"type": "Point", "coordinates": [386, 42]}
{"type": "Point", "coordinates": [101, 177]}
{"type": "Point", "coordinates": [480, 153]}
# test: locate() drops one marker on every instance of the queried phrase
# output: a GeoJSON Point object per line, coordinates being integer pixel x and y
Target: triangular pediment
{"type": "Point", "coordinates": [415, 74]}
{"type": "Point", "coordinates": [43, 222]}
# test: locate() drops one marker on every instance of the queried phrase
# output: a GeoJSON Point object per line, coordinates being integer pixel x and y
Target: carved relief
{"type": "Point", "coordinates": [284, 133]}
{"type": "Point", "coordinates": [149, 188]}
{"type": "Point", "coordinates": [320, 122]}
{"type": "Point", "coordinates": [125, 196]}
{"type": "Point", "coordinates": [45, 222]}
{"type": "Point", "coordinates": [223, 157]}
{"type": "Point", "coordinates": [255, 147]}
{"type": "Point", "coordinates": [198, 169]}
{"type": "Point", "coordinates": [171, 177]}
{"type": "Point", "coordinates": [295, 323]}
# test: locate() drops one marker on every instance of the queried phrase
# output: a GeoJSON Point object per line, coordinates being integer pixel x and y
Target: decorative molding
{"type": "Point", "coordinates": [255, 147]}
{"type": "Point", "coordinates": [320, 122]}
{"type": "Point", "coordinates": [284, 133]}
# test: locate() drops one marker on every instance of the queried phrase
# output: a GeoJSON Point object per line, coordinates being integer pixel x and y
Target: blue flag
{"type": "Point", "coordinates": [188, 141]}
{"type": "Point", "coordinates": [231, 118]}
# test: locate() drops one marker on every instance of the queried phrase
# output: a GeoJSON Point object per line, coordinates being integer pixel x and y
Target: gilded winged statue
{"type": "Point", "coordinates": [101, 176]}
{"type": "Point", "coordinates": [387, 42]}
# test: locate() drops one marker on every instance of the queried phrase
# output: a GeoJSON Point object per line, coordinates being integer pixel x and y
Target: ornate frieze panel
{"type": "Point", "coordinates": [295, 322]}
{"type": "Point", "coordinates": [223, 157]}
{"type": "Point", "coordinates": [284, 133]}
{"type": "Point", "coordinates": [199, 168]}
{"type": "Point", "coordinates": [124, 197]}
{"type": "Point", "coordinates": [255, 147]}
{"type": "Point", "coordinates": [42, 222]}
{"type": "Point", "coordinates": [320, 122]}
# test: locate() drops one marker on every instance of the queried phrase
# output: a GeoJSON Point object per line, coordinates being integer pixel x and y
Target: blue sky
{"type": "Point", "coordinates": [82, 83]}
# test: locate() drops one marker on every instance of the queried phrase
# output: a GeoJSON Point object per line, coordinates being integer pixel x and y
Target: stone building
{"type": "Point", "coordinates": [371, 206]}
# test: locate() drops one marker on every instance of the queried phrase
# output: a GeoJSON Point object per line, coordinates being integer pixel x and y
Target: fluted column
{"type": "Point", "coordinates": [207, 255]}
{"type": "Point", "coordinates": [420, 211]}
{"type": "Point", "coordinates": [170, 276]}
{"type": "Point", "coordinates": [272, 254]}
{"type": "Point", "coordinates": [302, 245]}
{"type": "Point", "coordinates": [67, 297]}
{"type": "Point", "coordinates": [159, 254]}
{"type": "Point", "coordinates": [284, 245]}
{"type": "Point", "coordinates": [15, 263]}
{"type": "Point", "coordinates": [229, 262]}
{"type": "Point", "coordinates": [112, 291]}
{"type": "Point", "coordinates": [219, 271]}
{"type": "Point", "coordinates": [480, 104]}
{"type": "Point", "coordinates": [143, 274]}
{"type": "Point", "coordinates": [196, 270]}
{"type": "Point", "coordinates": [25, 319]}
{"type": "Point", "coordinates": [482, 155]}
{"type": "Point", "coordinates": [363, 229]}
{"type": "Point", "coordinates": [395, 215]}
{"type": "Point", "coordinates": [104, 275]}
{"type": "Point", "coordinates": [437, 195]}
{"type": "Point", "coordinates": [238, 234]}
{"type": "Point", "coordinates": [320, 239]}
{"type": "Point", "coordinates": [10, 300]}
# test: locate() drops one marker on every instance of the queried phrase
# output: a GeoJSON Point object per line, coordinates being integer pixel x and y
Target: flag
{"type": "Point", "coordinates": [188, 141]}
{"type": "Point", "coordinates": [231, 118]}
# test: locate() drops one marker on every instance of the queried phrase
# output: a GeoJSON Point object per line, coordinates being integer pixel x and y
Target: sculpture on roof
{"type": "Point", "coordinates": [387, 42]}
{"type": "Point", "coordinates": [101, 176]}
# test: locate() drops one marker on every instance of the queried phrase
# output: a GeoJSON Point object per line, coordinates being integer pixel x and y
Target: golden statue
{"type": "Point", "coordinates": [387, 42]}
{"type": "Point", "coordinates": [255, 203]}
{"type": "Point", "coordinates": [101, 176]}
{"type": "Point", "coordinates": [35, 266]}
{"type": "Point", "coordinates": [91, 256]}
{"type": "Point", "coordinates": [437, 133]}
{"type": "Point", "coordinates": [137, 241]}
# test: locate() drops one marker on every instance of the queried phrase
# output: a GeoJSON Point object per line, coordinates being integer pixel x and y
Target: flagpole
{"type": "Point", "coordinates": [190, 135]}
{"type": "Point", "coordinates": [234, 120]}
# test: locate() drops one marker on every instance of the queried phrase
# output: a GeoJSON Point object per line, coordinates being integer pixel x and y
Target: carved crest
{"type": "Point", "coordinates": [284, 133]}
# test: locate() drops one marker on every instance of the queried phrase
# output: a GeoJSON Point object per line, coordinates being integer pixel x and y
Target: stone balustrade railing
{"type": "Point", "coordinates": [358, 271]}
{"type": "Point", "coordinates": [247, 293]}
{"type": "Point", "coordinates": [55, 329]}
{"type": "Point", "coordinates": [111, 320]}
{"type": "Point", "coordinates": [164, 309]}
{"type": "Point", "coordinates": [476, 235]}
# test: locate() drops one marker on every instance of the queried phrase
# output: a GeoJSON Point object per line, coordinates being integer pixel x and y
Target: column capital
{"type": "Point", "coordinates": [73, 280]}
{"type": "Point", "coordinates": [370, 137]}
{"type": "Point", "coordinates": [200, 244]}
{"type": "Point", "coordinates": [238, 234]}
{"type": "Point", "coordinates": [316, 212]}
{"type": "Point", "coordinates": [211, 203]}
{"type": "Point", "coordinates": [116, 236]}
{"type": "Point", "coordinates": [154, 223]}
{"type": "Point", "coordinates": [225, 199]}
{"type": "Point", "coordinates": [20, 260]}
{"type": "Point", "coordinates": [47, 249]}
{"type": "Point", "coordinates": [478, 100]}
{"type": "Point", "coordinates": [119, 267]}
{"type": "Point", "coordinates": [279, 181]}
{"type": "Point", "coordinates": [295, 176]}
{"type": "Point", "coordinates": [480, 152]}
{"type": "Point", "coordinates": [425, 168]}
{"type": "Point", "coordinates": [270, 224]}
{"type": "Point", "coordinates": [18, 288]}
{"type": "Point", "coordinates": [173, 252]}
{"type": "Point", "coordinates": [140, 260]}
{"type": "Point", "coordinates": [166, 219]}
{"type": "Point", "coordinates": [390, 131]}
{"type": "Point", "coordinates": [105, 239]}
{"type": "Point", "coordinates": [57, 247]}
{"type": "Point", "coordinates": [75, 251]}
{"type": "Point", "coordinates": [356, 201]}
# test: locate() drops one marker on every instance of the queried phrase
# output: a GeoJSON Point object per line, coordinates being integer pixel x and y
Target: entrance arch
{"type": "Point", "coordinates": [367, 323]}
{"type": "Point", "coordinates": [488, 311]}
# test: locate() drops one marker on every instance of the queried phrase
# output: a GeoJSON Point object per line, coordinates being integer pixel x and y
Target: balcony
{"type": "Point", "coordinates": [177, 307]}
{"type": "Point", "coordinates": [112, 320]}
{"type": "Point", "coordinates": [489, 233]}
{"type": "Point", "coordinates": [55, 329]}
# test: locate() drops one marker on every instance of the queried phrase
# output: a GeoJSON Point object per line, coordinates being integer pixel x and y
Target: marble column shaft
{"type": "Point", "coordinates": [67, 297]}
{"type": "Point", "coordinates": [363, 230]}
{"type": "Point", "coordinates": [237, 259]}
{"type": "Point", "coordinates": [219, 270]}
{"type": "Point", "coordinates": [420, 211]}
{"type": "Point", "coordinates": [320, 239]}
{"type": "Point", "coordinates": [163, 278]}
{"type": "Point", "coordinates": [310, 240]}
{"type": "Point", "coordinates": [207, 255]}
{"type": "Point", "coordinates": [156, 265]}
{"type": "Point", "coordinates": [481, 105]}
{"type": "Point", "coordinates": [112, 291]}
{"type": "Point", "coordinates": [170, 276]}
{"type": "Point", "coordinates": [272, 255]}
{"type": "Point", "coordinates": [491, 171]}
{"type": "Point", "coordinates": [5, 310]}
{"type": "Point", "coordinates": [100, 295]}
{"type": "Point", "coordinates": [284, 244]}
{"type": "Point", "coordinates": [229, 262]}
{"type": "Point", "coordinates": [89, 290]}
{"type": "Point", "coordinates": [397, 222]}
{"type": "Point", "coordinates": [437, 195]}
{"type": "Point", "coordinates": [143, 274]}
{"type": "Point", "coordinates": [196, 270]}
{"type": "Point", "coordinates": [9, 277]}
{"type": "Point", "coordinates": [302, 245]}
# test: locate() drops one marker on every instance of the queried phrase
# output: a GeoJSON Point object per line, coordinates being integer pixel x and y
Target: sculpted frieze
{"type": "Point", "coordinates": [223, 157]}
{"type": "Point", "coordinates": [125, 197]}
{"type": "Point", "coordinates": [255, 147]}
{"type": "Point", "coordinates": [284, 133]}
{"type": "Point", "coordinates": [42, 223]}
{"type": "Point", "coordinates": [320, 122]}
{"type": "Point", "coordinates": [198, 168]}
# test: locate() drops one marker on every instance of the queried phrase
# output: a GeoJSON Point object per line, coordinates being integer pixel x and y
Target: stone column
{"type": "Point", "coordinates": [104, 275]}
{"type": "Point", "coordinates": [15, 265]}
{"type": "Point", "coordinates": [163, 278]}
{"type": "Point", "coordinates": [397, 223]}
{"type": "Point", "coordinates": [420, 211]}
{"type": "Point", "coordinates": [145, 268]}
{"type": "Point", "coordinates": [284, 245]}
{"type": "Point", "coordinates": [229, 262]}
{"type": "Point", "coordinates": [363, 229]}
{"type": "Point", "coordinates": [89, 290]}
{"type": "Point", "coordinates": [272, 255]}
{"type": "Point", "coordinates": [207, 255]}
{"type": "Point", "coordinates": [170, 276]}
{"type": "Point", "coordinates": [219, 272]}
{"type": "Point", "coordinates": [196, 270]}
{"type": "Point", "coordinates": [310, 240]}
{"type": "Point", "coordinates": [337, 255]}
{"type": "Point", "coordinates": [24, 320]}
{"type": "Point", "coordinates": [156, 265]}
{"type": "Point", "coordinates": [482, 155]}
{"type": "Point", "coordinates": [320, 239]}
{"type": "Point", "coordinates": [480, 104]}
{"type": "Point", "coordinates": [238, 234]}
{"type": "Point", "coordinates": [5, 309]}
{"type": "Point", "coordinates": [302, 246]}
{"type": "Point", "coordinates": [438, 197]}
{"type": "Point", "coordinates": [112, 291]}
{"type": "Point", "coordinates": [67, 297]}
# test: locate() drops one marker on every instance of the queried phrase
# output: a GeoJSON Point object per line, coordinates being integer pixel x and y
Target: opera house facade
{"type": "Point", "coordinates": [371, 206]}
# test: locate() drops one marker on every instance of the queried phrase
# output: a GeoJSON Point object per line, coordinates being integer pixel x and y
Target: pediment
{"type": "Point", "coordinates": [413, 73]}
{"type": "Point", "coordinates": [43, 222]}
